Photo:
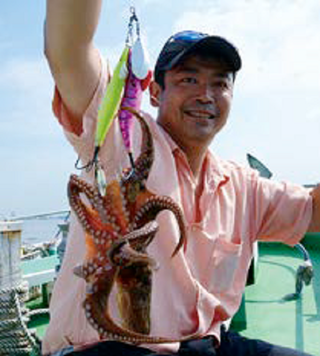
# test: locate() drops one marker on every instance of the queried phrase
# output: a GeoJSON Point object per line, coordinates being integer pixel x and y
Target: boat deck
{"type": "Point", "coordinates": [268, 315]}
{"type": "Point", "coordinates": [265, 314]}
{"type": "Point", "coordinates": [38, 322]}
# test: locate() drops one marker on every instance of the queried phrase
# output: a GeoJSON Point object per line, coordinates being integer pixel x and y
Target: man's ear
{"type": "Point", "coordinates": [154, 91]}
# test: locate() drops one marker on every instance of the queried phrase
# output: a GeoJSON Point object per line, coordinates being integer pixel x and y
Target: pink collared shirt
{"type": "Point", "coordinates": [200, 287]}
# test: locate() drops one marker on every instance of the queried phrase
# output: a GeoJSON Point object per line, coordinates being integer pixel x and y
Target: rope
{"type": "Point", "coordinates": [15, 337]}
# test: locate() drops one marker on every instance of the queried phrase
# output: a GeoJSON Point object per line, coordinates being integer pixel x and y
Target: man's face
{"type": "Point", "coordinates": [195, 102]}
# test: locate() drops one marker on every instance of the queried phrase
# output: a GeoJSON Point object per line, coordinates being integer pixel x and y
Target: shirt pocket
{"type": "Point", "coordinates": [223, 265]}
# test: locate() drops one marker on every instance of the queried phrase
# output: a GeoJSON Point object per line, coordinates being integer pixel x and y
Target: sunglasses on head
{"type": "Point", "coordinates": [188, 36]}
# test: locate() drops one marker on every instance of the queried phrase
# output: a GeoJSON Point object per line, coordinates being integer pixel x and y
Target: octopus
{"type": "Point", "coordinates": [119, 226]}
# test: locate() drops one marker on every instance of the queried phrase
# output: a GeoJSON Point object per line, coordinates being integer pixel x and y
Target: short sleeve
{"type": "Point", "coordinates": [283, 211]}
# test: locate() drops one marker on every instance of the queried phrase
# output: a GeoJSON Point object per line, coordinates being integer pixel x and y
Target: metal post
{"type": "Point", "coordinates": [10, 248]}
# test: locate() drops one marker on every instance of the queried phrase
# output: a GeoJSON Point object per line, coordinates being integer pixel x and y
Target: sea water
{"type": "Point", "coordinates": [37, 230]}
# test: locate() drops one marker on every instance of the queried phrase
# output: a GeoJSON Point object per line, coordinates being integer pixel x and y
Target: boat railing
{"type": "Point", "coordinates": [15, 337]}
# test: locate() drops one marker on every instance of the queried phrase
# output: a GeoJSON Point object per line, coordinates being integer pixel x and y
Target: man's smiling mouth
{"type": "Point", "coordinates": [200, 114]}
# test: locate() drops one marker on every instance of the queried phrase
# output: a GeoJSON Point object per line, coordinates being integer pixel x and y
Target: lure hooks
{"type": "Point", "coordinates": [133, 19]}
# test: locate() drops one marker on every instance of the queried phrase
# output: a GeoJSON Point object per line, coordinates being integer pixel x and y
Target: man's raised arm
{"type": "Point", "coordinates": [73, 59]}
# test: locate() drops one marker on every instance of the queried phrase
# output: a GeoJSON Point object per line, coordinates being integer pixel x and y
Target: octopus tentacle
{"type": "Point", "coordinates": [153, 206]}
{"type": "Point", "coordinates": [123, 255]}
{"type": "Point", "coordinates": [104, 215]}
{"type": "Point", "coordinates": [114, 204]}
{"type": "Point", "coordinates": [140, 239]}
{"type": "Point", "coordinates": [89, 218]}
{"type": "Point", "coordinates": [144, 161]}
{"type": "Point", "coordinates": [96, 309]}
{"type": "Point", "coordinates": [91, 268]}
{"type": "Point", "coordinates": [96, 303]}
{"type": "Point", "coordinates": [101, 239]}
{"type": "Point", "coordinates": [130, 249]}
{"type": "Point", "coordinates": [77, 185]}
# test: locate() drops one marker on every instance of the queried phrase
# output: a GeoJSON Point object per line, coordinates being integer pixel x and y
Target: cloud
{"type": "Point", "coordinates": [32, 145]}
{"type": "Point", "coordinates": [28, 87]}
{"type": "Point", "coordinates": [277, 91]}
{"type": "Point", "coordinates": [25, 74]}
{"type": "Point", "coordinates": [278, 40]}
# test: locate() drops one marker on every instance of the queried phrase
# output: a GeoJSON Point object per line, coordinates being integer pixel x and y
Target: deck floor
{"type": "Point", "coordinates": [269, 317]}
{"type": "Point", "coordinates": [293, 323]}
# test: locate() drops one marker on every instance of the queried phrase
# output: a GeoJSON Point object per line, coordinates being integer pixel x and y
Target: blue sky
{"type": "Point", "coordinates": [276, 110]}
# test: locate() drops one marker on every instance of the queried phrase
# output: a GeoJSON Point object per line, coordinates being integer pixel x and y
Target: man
{"type": "Point", "coordinates": [226, 207]}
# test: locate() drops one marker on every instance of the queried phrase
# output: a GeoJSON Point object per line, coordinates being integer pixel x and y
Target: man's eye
{"type": "Point", "coordinates": [221, 84]}
{"type": "Point", "coordinates": [189, 80]}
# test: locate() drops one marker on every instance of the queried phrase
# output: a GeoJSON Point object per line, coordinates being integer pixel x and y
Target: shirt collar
{"type": "Point", "coordinates": [216, 173]}
{"type": "Point", "coordinates": [172, 144]}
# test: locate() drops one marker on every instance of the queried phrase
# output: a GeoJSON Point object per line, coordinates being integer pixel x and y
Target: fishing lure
{"type": "Point", "coordinates": [130, 77]}
{"type": "Point", "coordinates": [137, 81]}
{"type": "Point", "coordinates": [111, 100]}
{"type": "Point", "coordinates": [106, 114]}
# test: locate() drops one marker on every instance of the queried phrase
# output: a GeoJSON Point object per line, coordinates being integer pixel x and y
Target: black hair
{"type": "Point", "coordinates": [159, 78]}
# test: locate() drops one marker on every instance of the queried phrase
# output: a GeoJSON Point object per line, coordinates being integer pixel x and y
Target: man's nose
{"type": "Point", "coordinates": [206, 93]}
